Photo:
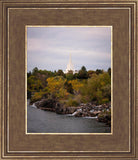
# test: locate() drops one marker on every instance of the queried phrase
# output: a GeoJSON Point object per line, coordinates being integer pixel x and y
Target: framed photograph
{"type": "Point", "coordinates": [70, 85]}
{"type": "Point", "coordinates": [68, 79]}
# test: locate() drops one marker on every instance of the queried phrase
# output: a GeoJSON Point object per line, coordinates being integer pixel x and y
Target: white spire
{"type": "Point", "coordinates": [70, 66]}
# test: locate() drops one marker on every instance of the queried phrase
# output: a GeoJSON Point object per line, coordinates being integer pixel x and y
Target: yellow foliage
{"type": "Point", "coordinates": [37, 96]}
{"type": "Point", "coordinates": [56, 86]}
{"type": "Point", "coordinates": [76, 84]}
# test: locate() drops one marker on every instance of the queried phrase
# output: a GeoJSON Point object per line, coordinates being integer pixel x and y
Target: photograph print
{"type": "Point", "coordinates": [69, 79]}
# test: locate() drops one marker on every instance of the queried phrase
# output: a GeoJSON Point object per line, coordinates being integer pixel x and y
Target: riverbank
{"type": "Point", "coordinates": [101, 112]}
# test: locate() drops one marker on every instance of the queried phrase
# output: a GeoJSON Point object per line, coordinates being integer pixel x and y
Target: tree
{"type": "Point", "coordinates": [90, 73]}
{"type": "Point", "coordinates": [60, 73]}
{"type": "Point", "coordinates": [75, 76]}
{"type": "Point", "coordinates": [109, 71]}
{"type": "Point", "coordinates": [83, 73]}
{"type": "Point", "coordinates": [83, 68]}
{"type": "Point", "coordinates": [35, 70]}
{"type": "Point", "coordinates": [107, 91]}
{"type": "Point", "coordinates": [76, 85]}
{"type": "Point", "coordinates": [34, 84]}
{"type": "Point", "coordinates": [38, 96]}
{"type": "Point", "coordinates": [99, 71]}
{"type": "Point", "coordinates": [68, 87]}
{"type": "Point", "coordinates": [29, 74]}
{"type": "Point", "coordinates": [69, 76]}
{"type": "Point", "coordinates": [56, 86]}
{"type": "Point", "coordinates": [98, 88]}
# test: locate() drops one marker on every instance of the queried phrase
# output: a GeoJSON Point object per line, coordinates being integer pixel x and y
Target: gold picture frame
{"type": "Point", "coordinates": [15, 143]}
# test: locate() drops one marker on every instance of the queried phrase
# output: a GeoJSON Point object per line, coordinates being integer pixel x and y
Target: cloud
{"type": "Point", "coordinates": [49, 48]}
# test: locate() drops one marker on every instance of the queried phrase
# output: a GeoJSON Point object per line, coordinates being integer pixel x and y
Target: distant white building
{"type": "Point", "coordinates": [70, 67]}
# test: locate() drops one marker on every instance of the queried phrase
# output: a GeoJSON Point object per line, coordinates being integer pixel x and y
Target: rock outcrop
{"type": "Point", "coordinates": [102, 112]}
{"type": "Point", "coordinates": [105, 117]}
{"type": "Point", "coordinates": [61, 109]}
{"type": "Point", "coordinates": [46, 104]}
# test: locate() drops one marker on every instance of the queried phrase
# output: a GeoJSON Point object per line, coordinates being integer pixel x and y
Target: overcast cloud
{"type": "Point", "coordinates": [49, 47]}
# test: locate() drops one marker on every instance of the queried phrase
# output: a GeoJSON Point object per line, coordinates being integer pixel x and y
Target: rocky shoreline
{"type": "Point", "coordinates": [101, 112]}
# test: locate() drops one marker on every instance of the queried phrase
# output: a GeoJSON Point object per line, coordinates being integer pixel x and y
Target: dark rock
{"type": "Point", "coordinates": [95, 113]}
{"type": "Point", "coordinates": [46, 104]}
{"type": "Point", "coordinates": [105, 118]}
{"type": "Point", "coordinates": [89, 109]}
{"type": "Point", "coordinates": [78, 114]}
{"type": "Point", "coordinates": [61, 109]}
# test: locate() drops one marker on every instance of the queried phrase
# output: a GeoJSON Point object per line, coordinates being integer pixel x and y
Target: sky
{"type": "Point", "coordinates": [49, 47]}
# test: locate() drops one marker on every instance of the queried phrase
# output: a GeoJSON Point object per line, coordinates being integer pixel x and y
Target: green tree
{"type": "Point", "coordinates": [98, 88]}
{"type": "Point", "coordinates": [29, 74]}
{"type": "Point", "coordinates": [34, 71]}
{"type": "Point", "coordinates": [75, 76]}
{"type": "Point", "coordinates": [99, 71]}
{"type": "Point", "coordinates": [68, 87]}
{"type": "Point", "coordinates": [69, 76]}
{"type": "Point", "coordinates": [34, 84]}
{"type": "Point", "coordinates": [109, 71]}
{"type": "Point", "coordinates": [60, 73]}
{"type": "Point", "coordinates": [90, 73]}
{"type": "Point", "coordinates": [83, 73]}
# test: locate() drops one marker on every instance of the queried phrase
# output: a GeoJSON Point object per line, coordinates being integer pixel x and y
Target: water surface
{"type": "Point", "coordinates": [40, 121]}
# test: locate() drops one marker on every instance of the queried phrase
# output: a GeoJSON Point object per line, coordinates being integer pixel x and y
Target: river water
{"type": "Point", "coordinates": [40, 121]}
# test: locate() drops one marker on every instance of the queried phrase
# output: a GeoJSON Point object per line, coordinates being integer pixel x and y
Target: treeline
{"type": "Point", "coordinates": [70, 89]}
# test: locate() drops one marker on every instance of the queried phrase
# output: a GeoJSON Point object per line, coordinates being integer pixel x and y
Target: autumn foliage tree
{"type": "Point", "coordinates": [98, 88]}
{"type": "Point", "coordinates": [76, 85]}
{"type": "Point", "coordinates": [56, 86]}
{"type": "Point", "coordinates": [82, 87]}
